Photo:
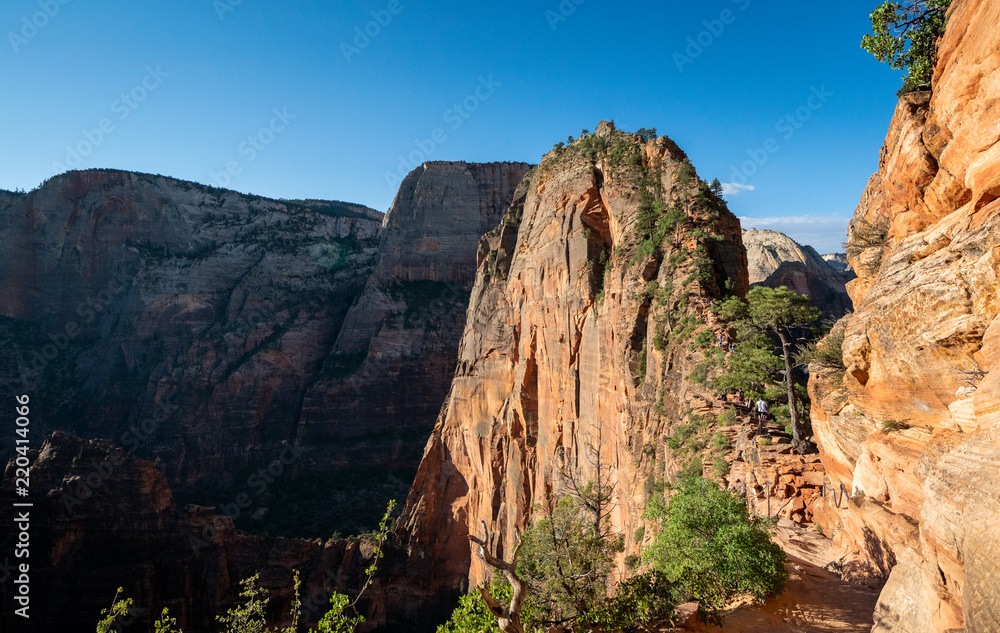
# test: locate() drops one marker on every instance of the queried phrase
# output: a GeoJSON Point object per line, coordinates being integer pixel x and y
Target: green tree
{"type": "Point", "coordinates": [710, 546]}
{"type": "Point", "coordinates": [566, 564]}
{"type": "Point", "coordinates": [473, 616]}
{"type": "Point", "coordinates": [751, 368]}
{"type": "Point", "coordinates": [905, 35]}
{"type": "Point", "coordinates": [784, 313]}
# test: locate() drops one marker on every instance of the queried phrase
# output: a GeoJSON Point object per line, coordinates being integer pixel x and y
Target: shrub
{"type": "Point", "coordinates": [892, 426]}
{"type": "Point", "coordinates": [704, 340]}
{"type": "Point", "coordinates": [905, 35]}
{"type": "Point", "coordinates": [720, 466]}
{"type": "Point", "coordinates": [712, 547]}
{"type": "Point", "coordinates": [720, 442]}
{"type": "Point", "coordinates": [764, 441]}
{"type": "Point", "coordinates": [865, 236]}
{"type": "Point", "coordinates": [728, 418]}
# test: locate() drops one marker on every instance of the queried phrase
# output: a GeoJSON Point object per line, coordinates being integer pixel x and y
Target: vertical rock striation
{"type": "Point", "coordinates": [400, 338]}
{"type": "Point", "coordinates": [910, 429]}
{"type": "Point", "coordinates": [557, 360]}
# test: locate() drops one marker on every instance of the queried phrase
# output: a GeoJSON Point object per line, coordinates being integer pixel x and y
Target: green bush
{"type": "Point", "coordinates": [712, 547]}
{"type": "Point", "coordinates": [728, 418]}
{"type": "Point", "coordinates": [720, 466]}
{"type": "Point", "coordinates": [704, 340]}
{"type": "Point", "coordinates": [905, 35]}
{"type": "Point", "coordinates": [720, 442]}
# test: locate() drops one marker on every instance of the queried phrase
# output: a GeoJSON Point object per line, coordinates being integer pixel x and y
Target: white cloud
{"type": "Point", "coordinates": [735, 188]}
{"type": "Point", "coordinates": [824, 233]}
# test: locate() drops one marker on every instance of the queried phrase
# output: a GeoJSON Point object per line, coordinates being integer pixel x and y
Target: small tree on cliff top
{"type": "Point", "coordinates": [905, 35]}
{"type": "Point", "coordinates": [781, 312]}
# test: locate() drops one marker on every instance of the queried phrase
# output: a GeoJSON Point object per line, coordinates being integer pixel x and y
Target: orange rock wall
{"type": "Point", "coordinates": [548, 363]}
{"type": "Point", "coordinates": [911, 428]}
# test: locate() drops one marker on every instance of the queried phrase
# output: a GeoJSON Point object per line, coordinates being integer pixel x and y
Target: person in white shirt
{"type": "Point", "coordinates": [762, 408]}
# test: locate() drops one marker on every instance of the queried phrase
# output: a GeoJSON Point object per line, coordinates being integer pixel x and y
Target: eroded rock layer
{"type": "Point", "coordinates": [208, 328]}
{"type": "Point", "coordinates": [578, 326]}
{"type": "Point", "coordinates": [910, 429]}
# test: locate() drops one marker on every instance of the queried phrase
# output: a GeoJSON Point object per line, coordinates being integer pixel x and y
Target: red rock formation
{"type": "Point", "coordinates": [911, 427]}
{"type": "Point", "coordinates": [206, 328]}
{"type": "Point", "coordinates": [562, 312]}
{"type": "Point", "coordinates": [103, 519]}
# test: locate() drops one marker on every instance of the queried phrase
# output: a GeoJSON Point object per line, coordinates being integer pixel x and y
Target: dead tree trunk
{"type": "Point", "coordinates": [508, 618]}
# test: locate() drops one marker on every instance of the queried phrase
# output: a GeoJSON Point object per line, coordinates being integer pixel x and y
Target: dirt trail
{"type": "Point", "coordinates": [815, 600]}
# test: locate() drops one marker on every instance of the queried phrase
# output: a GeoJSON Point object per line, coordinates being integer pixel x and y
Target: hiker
{"type": "Point", "coordinates": [762, 411]}
{"type": "Point", "coordinates": [740, 395]}
{"type": "Point", "coordinates": [762, 415]}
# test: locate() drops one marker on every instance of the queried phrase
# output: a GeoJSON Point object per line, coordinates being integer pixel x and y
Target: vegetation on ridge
{"type": "Point", "coordinates": [905, 35]}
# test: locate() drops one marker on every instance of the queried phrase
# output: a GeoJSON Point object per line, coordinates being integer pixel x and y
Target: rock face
{"type": "Point", "coordinates": [575, 331]}
{"type": "Point", "coordinates": [777, 260]}
{"type": "Point", "coordinates": [207, 328]}
{"type": "Point", "coordinates": [911, 428]}
{"type": "Point", "coordinates": [403, 331]}
{"type": "Point", "coordinates": [104, 519]}
{"type": "Point", "coordinates": [838, 262]}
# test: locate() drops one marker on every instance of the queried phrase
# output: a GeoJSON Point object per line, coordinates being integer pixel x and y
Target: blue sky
{"type": "Point", "coordinates": [317, 99]}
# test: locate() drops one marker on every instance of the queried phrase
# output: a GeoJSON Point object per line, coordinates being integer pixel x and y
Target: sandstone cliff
{"type": "Point", "coordinates": [401, 336]}
{"type": "Point", "coordinates": [576, 344]}
{"type": "Point", "coordinates": [838, 262]}
{"type": "Point", "coordinates": [910, 429]}
{"type": "Point", "coordinates": [206, 328]}
{"type": "Point", "coordinates": [774, 260]}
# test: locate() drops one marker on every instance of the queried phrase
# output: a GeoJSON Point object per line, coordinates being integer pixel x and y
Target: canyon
{"type": "Point", "coordinates": [502, 329]}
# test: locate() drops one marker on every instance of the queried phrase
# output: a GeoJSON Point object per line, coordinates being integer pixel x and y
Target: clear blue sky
{"type": "Point", "coordinates": [216, 70]}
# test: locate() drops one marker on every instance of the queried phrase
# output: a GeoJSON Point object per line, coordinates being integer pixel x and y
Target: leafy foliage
{"type": "Point", "coordinates": [784, 314]}
{"type": "Point", "coordinates": [566, 562]}
{"type": "Point", "coordinates": [639, 603]}
{"type": "Point", "coordinates": [905, 35]}
{"type": "Point", "coordinates": [472, 616]}
{"type": "Point", "coordinates": [712, 548]}
{"type": "Point", "coordinates": [751, 367]}
{"type": "Point", "coordinates": [250, 615]}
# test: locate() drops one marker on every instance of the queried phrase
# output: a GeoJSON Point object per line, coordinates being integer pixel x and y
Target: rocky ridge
{"type": "Point", "coordinates": [909, 431]}
{"type": "Point", "coordinates": [777, 260]}
{"type": "Point", "coordinates": [206, 328]}
{"type": "Point", "coordinates": [576, 345]}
